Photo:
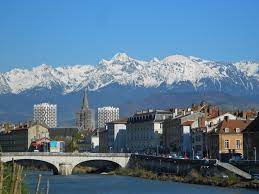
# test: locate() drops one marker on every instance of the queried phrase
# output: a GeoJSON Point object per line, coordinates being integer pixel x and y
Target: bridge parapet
{"type": "Point", "coordinates": [83, 154]}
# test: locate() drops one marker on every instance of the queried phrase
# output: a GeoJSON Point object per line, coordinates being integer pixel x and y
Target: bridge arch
{"type": "Point", "coordinates": [99, 160]}
{"type": "Point", "coordinates": [35, 162]}
{"type": "Point", "coordinates": [99, 165]}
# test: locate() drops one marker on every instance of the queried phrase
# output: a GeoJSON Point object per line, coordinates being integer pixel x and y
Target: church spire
{"type": "Point", "coordinates": [85, 101]}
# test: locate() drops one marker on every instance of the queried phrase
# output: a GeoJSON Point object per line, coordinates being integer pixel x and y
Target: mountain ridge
{"type": "Point", "coordinates": [124, 70]}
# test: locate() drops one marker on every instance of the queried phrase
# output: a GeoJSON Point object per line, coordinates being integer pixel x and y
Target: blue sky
{"type": "Point", "coordinates": [66, 32]}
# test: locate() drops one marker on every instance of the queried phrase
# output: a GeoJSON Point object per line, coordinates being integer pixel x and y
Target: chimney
{"type": "Point", "coordinates": [201, 122]}
{"type": "Point", "coordinates": [176, 111]}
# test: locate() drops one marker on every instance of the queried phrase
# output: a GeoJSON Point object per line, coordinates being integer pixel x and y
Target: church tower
{"type": "Point", "coordinates": [85, 117]}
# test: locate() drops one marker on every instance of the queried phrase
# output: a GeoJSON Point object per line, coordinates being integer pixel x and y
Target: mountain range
{"type": "Point", "coordinates": [129, 83]}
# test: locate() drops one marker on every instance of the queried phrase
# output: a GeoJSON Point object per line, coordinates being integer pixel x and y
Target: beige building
{"type": "Point", "coordinates": [177, 132]}
{"type": "Point", "coordinates": [19, 139]}
{"type": "Point", "coordinates": [227, 139]}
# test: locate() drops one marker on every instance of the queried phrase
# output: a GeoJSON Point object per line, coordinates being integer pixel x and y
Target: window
{"type": "Point", "coordinates": [161, 125]}
{"type": "Point", "coordinates": [238, 144]}
{"type": "Point", "coordinates": [226, 144]}
{"type": "Point", "coordinates": [198, 138]}
{"type": "Point", "coordinates": [198, 148]}
{"type": "Point", "coordinates": [226, 130]}
{"type": "Point", "coordinates": [237, 130]}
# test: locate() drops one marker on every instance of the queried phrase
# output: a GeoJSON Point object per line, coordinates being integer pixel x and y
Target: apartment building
{"type": "Point", "coordinates": [107, 114]}
{"type": "Point", "coordinates": [144, 130]}
{"type": "Point", "coordinates": [45, 113]}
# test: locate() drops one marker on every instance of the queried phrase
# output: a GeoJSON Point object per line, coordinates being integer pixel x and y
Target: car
{"type": "Point", "coordinates": [197, 157]}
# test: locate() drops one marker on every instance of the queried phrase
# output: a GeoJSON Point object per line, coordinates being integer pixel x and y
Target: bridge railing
{"type": "Point", "coordinates": [152, 157]}
{"type": "Point", "coordinates": [84, 154]}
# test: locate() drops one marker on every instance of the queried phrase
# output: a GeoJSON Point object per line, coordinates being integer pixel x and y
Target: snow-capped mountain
{"type": "Point", "coordinates": [250, 69]}
{"type": "Point", "coordinates": [173, 72]}
{"type": "Point", "coordinates": [130, 84]}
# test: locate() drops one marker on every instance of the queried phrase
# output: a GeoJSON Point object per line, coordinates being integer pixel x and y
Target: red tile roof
{"type": "Point", "coordinates": [188, 123]}
{"type": "Point", "coordinates": [232, 125]}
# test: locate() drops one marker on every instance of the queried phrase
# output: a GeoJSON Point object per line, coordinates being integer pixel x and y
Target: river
{"type": "Point", "coordinates": [104, 184]}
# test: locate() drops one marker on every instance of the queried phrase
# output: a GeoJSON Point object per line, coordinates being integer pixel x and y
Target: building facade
{"type": "Point", "coordinates": [251, 140]}
{"type": "Point", "coordinates": [117, 135]}
{"type": "Point", "coordinates": [20, 139]}
{"type": "Point", "coordinates": [90, 143]}
{"type": "Point", "coordinates": [177, 132]}
{"type": "Point", "coordinates": [211, 122]}
{"type": "Point", "coordinates": [103, 140]}
{"type": "Point", "coordinates": [107, 114]}
{"type": "Point", "coordinates": [226, 140]}
{"type": "Point", "coordinates": [46, 114]}
{"type": "Point", "coordinates": [85, 118]}
{"type": "Point", "coordinates": [144, 130]}
{"type": "Point", "coordinates": [199, 134]}
{"type": "Point", "coordinates": [199, 143]}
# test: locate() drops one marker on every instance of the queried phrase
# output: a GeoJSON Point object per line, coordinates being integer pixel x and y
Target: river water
{"type": "Point", "coordinates": [104, 184]}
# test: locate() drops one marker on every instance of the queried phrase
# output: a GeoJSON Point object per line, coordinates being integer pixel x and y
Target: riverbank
{"type": "Point", "coordinates": [193, 177]}
{"type": "Point", "coordinates": [12, 179]}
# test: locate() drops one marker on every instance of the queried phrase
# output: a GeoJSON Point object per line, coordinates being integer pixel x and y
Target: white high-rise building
{"type": "Point", "coordinates": [45, 113]}
{"type": "Point", "coordinates": [107, 114]}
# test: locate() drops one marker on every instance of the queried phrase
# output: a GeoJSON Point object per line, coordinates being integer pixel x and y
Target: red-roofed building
{"type": "Point", "coordinates": [20, 139]}
{"type": "Point", "coordinates": [226, 140]}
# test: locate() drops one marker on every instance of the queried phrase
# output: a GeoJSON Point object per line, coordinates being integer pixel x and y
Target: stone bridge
{"type": "Point", "coordinates": [64, 163]}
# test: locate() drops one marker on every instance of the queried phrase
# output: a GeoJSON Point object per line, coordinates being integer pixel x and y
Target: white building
{"type": "Point", "coordinates": [107, 114]}
{"type": "Point", "coordinates": [212, 123]}
{"type": "Point", "coordinates": [117, 135]}
{"type": "Point", "coordinates": [144, 130]}
{"type": "Point", "coordinates": [45, 113]}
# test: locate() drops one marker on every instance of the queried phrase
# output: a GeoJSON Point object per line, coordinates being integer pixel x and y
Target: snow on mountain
{"type": "Point", "coordinates": [251, 69]}
{"type": "Point", "coordinates": [4, 87]}
{"type": "Point", "coordinates": [124, 70]}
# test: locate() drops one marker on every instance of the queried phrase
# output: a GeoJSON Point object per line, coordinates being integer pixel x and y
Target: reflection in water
{"type": "Point", "coordinates": [104, 184]}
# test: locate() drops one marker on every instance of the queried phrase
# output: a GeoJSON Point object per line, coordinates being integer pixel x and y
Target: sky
{"type": "Point", "coordinates": [65, 32]}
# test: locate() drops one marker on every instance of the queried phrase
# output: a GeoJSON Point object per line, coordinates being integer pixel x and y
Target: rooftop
{"type": "Point", "coordinates": [119, 121]}
{"type": "Point", "coordinates": [188, 123]}
{"type": "Point", "coordinates": [232, 125]}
